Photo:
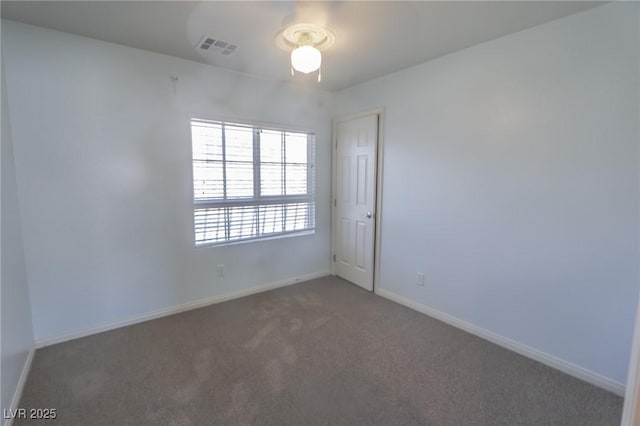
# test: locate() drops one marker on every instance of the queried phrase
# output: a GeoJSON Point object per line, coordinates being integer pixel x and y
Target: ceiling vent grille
{"type": "Point", "coordinates": [211, 44]}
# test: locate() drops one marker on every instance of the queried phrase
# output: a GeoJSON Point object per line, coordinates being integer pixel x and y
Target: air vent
{"type": "Point", "coordinates": [211, 44]}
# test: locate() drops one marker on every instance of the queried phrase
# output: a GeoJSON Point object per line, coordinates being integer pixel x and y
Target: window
{"type": "Point", "coordinates": [250, 182]}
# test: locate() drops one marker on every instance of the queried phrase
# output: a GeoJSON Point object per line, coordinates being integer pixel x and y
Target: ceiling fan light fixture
{"type": "Point", "coordinates": [306, 59]}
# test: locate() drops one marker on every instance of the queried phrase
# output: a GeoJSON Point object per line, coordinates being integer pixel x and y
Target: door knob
{"type": "Point", "coordinates": [368, 215]}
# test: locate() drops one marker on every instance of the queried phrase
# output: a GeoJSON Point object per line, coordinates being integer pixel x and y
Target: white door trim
{"type": "Point", "coordinates": [630, 412]}
{"type": "Point", "coordinates": [378, 212]}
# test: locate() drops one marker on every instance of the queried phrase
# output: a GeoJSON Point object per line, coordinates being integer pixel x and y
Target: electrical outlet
{"type": "Point", "coordinates": [220, 270]}
{"type": "Point", "coordinates": [420, 279]}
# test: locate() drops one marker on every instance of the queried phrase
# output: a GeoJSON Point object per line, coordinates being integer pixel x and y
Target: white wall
{"type": "Point", "coordinates": [103, 168]}
{"type": "Point", "coordinates": [15, 310]}
{"type": "Point", "coordinates": [523, 211]}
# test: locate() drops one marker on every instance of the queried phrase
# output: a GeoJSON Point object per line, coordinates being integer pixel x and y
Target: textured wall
{"type": "Point", "coordinates": [17, 333]}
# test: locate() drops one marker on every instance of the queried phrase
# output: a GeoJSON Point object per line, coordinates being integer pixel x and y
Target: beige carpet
{"type": "Point", "coordinates": [323, 352]}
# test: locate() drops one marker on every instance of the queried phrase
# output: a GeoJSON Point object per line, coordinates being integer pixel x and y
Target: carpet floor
{"type": "Point", "coordinates": [323, 352]}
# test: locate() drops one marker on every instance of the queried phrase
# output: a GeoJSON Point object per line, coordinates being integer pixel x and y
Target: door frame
{"type": "Point", "coordinates": [378, 205]}
{"type": "Point", "coordinates": [631, 407]}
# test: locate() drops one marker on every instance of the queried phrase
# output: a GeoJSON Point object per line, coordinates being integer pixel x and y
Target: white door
{"type": "Point", "coordinates": [354, 199]}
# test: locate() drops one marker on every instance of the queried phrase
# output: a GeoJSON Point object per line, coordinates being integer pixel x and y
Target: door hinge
{"type": "Point", "coordinates": [335, 203]}
{"type": "Point", "coordinates": [334, 257]}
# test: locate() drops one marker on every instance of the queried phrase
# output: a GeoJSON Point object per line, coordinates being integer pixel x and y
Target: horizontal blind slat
{"type": "Point", "coordinates": [246, 222]}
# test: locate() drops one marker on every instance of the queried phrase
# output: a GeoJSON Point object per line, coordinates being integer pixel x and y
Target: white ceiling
{"type": "Point", "coordinates": [373, 38]}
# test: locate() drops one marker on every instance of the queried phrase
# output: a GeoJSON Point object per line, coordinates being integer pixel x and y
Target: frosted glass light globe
{"type": "Point", "coordinates": [306, 59]}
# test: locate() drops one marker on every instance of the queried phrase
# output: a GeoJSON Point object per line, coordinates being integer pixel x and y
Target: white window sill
{"type": "Point", "coordinates": [257, 240]}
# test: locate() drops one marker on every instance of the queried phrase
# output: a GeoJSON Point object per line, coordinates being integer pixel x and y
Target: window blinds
{"type": "Point", "coordinates": [250, 183]}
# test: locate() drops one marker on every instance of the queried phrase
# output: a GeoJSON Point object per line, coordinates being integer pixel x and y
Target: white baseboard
{"type": "Point", "coordinates": [15, 402]}
{"type": "Point", "coordinates": [40, 343]}
{"type": "Point", "coordinates": [550, 360]}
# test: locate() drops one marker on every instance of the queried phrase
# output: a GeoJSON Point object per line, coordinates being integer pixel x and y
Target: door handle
{"type": "Point", "coordinates": [368, 215]}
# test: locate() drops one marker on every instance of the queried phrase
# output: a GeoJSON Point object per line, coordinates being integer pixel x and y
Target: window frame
{"type": "Point", "coordinates": [256, 200]}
